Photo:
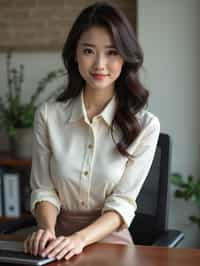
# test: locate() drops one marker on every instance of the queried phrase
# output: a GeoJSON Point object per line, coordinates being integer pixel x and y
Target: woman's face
{"type": "Point", "coordinates": [98, 60]}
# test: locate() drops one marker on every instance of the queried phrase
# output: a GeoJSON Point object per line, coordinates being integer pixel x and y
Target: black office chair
{"type": "Point", "coordinates": [150, 225]}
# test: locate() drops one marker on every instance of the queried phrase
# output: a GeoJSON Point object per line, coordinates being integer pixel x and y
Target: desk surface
{"type": "Point", "coordinates": [119, 255]}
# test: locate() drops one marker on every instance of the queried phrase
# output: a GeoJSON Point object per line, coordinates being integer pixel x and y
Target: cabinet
{"type": "Point", "coordinates": [23, 167]}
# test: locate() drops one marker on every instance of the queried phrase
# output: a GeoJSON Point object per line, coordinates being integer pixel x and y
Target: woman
{"type": "Point", "coordinates": [94, 146]}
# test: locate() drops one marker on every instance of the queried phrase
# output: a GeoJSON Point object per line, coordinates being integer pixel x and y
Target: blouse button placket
{"type": "Point", "coordinates": [86, 170]}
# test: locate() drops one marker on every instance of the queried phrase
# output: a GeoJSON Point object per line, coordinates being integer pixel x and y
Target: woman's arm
{"type": "Point", "coordinates": [45, 203]}
{"type": "Point", "coordinates": [102, 227]}
{"type": "Point", "coordinates": [68, 246]}
{"type": "Point", "coordinates": [45, 214]}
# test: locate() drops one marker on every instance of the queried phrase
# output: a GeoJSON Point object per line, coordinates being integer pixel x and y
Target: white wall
{"type": "Point", "coordinates": [169, 34]}
{"type": "Point", "coordinates": [37, 65]}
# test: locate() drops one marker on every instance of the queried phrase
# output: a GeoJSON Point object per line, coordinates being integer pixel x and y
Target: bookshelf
{"type": "Point", "coordinates": [9, 161]}
{"type": "Point", "coordinates": [6, 159]}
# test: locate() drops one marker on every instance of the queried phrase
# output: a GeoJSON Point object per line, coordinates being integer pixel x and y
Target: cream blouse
{"type": "Point", "coordinates": [75, 163]}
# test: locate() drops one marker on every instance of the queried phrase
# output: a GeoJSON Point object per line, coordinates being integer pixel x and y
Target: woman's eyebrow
{"type": "Point", "coordinates": [92, 45]}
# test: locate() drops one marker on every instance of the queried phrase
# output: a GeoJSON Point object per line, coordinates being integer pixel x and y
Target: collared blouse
{"type": "Point", "coordinates": [75, 162]}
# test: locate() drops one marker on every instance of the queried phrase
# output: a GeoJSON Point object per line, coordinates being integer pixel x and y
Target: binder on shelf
{"type": "Point", "coordinates": [11, 195]}
{"type": "Point", "coordinates": [25, 189]}
{"type": "Point", "coordinates": [1, 192]}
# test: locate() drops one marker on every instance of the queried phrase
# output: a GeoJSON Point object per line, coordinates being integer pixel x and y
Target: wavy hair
{"type": "Point", "coordinates": [131, 96]}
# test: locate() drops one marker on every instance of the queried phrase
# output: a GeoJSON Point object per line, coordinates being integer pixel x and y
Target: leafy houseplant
{"type": "Point", "coordinates": [14, 114]}
{"type": "Point", "coordinates": [188, 190]}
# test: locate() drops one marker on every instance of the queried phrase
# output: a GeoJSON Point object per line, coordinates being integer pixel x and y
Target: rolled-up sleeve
{"type": "Point", "coordinates": [123, 198]}
{"type": "Point", "coordinates": [40, 180]}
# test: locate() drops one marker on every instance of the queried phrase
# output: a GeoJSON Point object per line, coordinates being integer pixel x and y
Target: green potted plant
{"type": "Point", "coordinates": [188, 190]}
{"type": "Point", "coordinates": [17, 117]}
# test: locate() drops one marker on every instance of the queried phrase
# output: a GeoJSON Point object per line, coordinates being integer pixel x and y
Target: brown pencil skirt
{"type": "Point", "coordinates": [69, 222]}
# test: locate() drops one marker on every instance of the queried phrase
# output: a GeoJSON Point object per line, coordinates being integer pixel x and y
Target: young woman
{"type": "Point", "coordinates": [94, 146]}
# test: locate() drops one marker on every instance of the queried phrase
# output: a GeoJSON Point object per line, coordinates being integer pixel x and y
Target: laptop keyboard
{"type": "Point", "coordinates": [18, 254]}
{"type": "Point", "coordinates": [13, 252]}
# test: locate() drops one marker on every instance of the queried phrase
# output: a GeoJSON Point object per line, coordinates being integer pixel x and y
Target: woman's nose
{"type": "Point", "coordinates": [99, 62]}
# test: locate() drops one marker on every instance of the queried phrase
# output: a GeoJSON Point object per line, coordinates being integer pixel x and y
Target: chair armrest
{"type": "Point", "coordinates": [8, 227]}
{"type": "Point", "coordinates": [169, 238]}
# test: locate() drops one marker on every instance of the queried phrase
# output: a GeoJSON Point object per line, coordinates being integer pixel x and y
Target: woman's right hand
{"type": "Point", "coordinates": [36, 242]}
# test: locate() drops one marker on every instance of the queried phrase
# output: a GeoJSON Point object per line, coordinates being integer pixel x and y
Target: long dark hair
{"type": "Point", "coordinates": [130, 94]}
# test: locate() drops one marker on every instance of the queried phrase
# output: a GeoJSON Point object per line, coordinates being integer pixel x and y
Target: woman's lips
{"type": "Point", "coordinates": [98, 76]}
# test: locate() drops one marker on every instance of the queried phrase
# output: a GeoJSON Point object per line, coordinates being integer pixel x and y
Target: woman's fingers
{"type": "Point", "coordinates": [51, 246]}
{"type": "Point", "coordinates": [64, 247]}
{"type": "Point", "coordinates": [36, 242]}
{"type": "Point", "coordinates": [60, 250]}
{"type": "Point", "coordinates": [31, 243]}
{"type": "Point", "coordinates": [26, 244]}
{"type": "Point", "coordinates": [70, 254]}
{"type": "Point", "coordinates": [45, 238]}
{"type": "Point", "coordinates": [64, 252]}
{"type": "Point", "coordinates": [45, 243]}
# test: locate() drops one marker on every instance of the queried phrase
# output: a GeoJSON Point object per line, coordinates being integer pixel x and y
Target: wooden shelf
{"type": "Point", "coordinates": [16, 224]}
{"type": "Point", "coordinates": [6, 159]}
{"type": "Point", "coordinates": [22, 216]}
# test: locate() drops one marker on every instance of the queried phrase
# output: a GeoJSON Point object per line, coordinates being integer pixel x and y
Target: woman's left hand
{"type": "Point", "coordinates": [64, 247]}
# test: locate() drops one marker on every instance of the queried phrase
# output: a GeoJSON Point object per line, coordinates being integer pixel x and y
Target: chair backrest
{"type": "Point", "coordinates": [151, 217]}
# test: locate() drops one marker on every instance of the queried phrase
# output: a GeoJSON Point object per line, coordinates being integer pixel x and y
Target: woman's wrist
{"type": "Point", "coordinates": [47, 228]}
{"type": "Point", "coordinates": [82, 238]}
{"type": "Point", "coordinates": [46, 214]}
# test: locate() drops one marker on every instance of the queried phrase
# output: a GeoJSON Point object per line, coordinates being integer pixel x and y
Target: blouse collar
{"type": "Point", "coordinates": [79, 110]}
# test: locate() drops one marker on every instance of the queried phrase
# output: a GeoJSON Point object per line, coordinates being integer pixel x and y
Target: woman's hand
{"type": "Point", "coordinates": [36, 242]}
{"type": "Point", "coordinates": [64, 247]}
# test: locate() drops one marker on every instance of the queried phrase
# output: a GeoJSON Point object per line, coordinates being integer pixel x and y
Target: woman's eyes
{"type": "Point", "coordinates": [113, 52]}
{"type": "Point", "coordinates": [88, 51]}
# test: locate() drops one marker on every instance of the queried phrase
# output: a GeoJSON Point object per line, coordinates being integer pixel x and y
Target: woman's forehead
{"type": "Point", "coordinates": [97, 35]}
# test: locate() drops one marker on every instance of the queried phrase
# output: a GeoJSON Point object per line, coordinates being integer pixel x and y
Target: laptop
{"type": "Point", "coordinates": [13, 252]}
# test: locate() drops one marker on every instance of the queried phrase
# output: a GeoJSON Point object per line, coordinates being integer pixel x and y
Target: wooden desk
{"type": "Point", "coordinates": [119, 255]}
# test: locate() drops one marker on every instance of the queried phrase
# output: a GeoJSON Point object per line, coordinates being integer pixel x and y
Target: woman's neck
{"type": "Point", "coordinates": [95, 101]}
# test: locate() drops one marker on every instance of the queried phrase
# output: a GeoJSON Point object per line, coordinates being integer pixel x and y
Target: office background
{"type": "Point", "coordinates": [169, 34]}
